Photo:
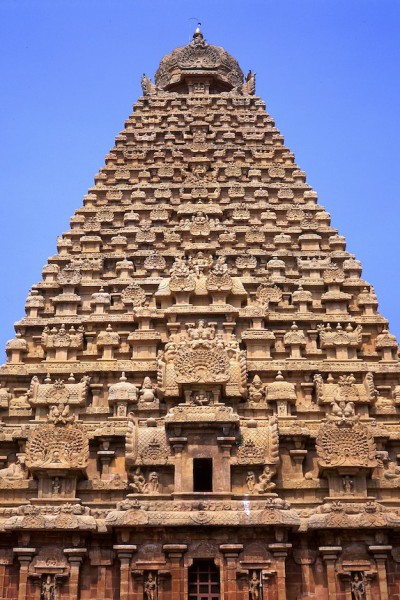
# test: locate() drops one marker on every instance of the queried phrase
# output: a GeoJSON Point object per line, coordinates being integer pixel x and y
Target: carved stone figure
{"type": "Point", "coordinates": [152, 485]}
{"type": "Point", "coordinates": [357, 588]}
{"type": "Point", "coordinates": [256, 390]}
{"type": "Point", "coordinates": [14, 470]}
{"type": "Point", "coordinates": [251, 481]}
{"type": "Point", "coordinates": [254, 586]}
{"type": "Point", "coordinates": [60, 414]}
{"type": "Point", "coordinates": [55, 486]}
{"type": "Point", "coordinates": [147, 393]}
{"type": "Point", "coordinates": [150, 588]}
{"type": "Point", "coordinates": [348, 485]}
{"type": "Point", "coordinates": [138, 482]}
{"type": "Point", "coordinates": [265, 484]}
{"type": "Point", "coordinates": [148, 88]}
{"type": "Point", "coordinates": [48, 589]}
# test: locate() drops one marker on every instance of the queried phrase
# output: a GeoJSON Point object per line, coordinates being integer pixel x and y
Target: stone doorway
{"type": "Point", "coordinates": [204, 581]}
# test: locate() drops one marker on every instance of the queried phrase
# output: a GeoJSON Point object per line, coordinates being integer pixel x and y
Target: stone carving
{"type": "Point", "coordinates": [200, 225]}
{"type": "Point", "coordinates": [257, 390]}
{"type": "Point", "coordinates": [346, 389]}
{"type": "Point", "coordinates": [59, 392]}
{"type": "Point", "coordinates": [146, 445]}
{"type": "Point", "coordinates": [123, 392]}
{"type": "Point", "coordinates": [48, 588]}
{"type": "Point", "coordinates": [339, 338]}
{"type": "Point", "coordinates": [150, 587]}
{"type": "Point", "coordinates": [53, 517]}
{"type": "Point", "coordinates": [69, 276]}
{"type": "Point", "coordinates": [202, 356]}
{"type": "Point", "coordinates": [265, 484]}
{"type": "Point", "coordinates": [357, 587]}
{"type": "Point", "coordinates": [198, 57]}
{"type": "Point", "coordinates": [254, 586]}
{"type": "Point", "coordinates": [54, 447]}
{"type": "Point", "coordinates": [249, 87]}
{"type": "Point", "coordinates": [348, 485]}
{"type": "Point", "coordinates": [251, 481]}
{"type": "Point", "coordinates": [148, 88]}
{"type": "Point", "coordinates": [344, 441]}
{"type": "Point", "coordinates": [60, 414]}
{"type": "Point", "coordinates": [60, 339]}
{"type": "Point", "coordinates": [258, 445]}
{"type": "Point", "coordinates": [133, 294]}
{"type": "Point", "coordinates": [200, 263]}
{"type": "Point", "coordinates": [268, 293]}
{"type": "Point", "coordinates": [147, 393]}
{"type": "Point", "coordinates": [15, 470]}
{"type": "Point", "coordinates": [154, 262]}
{"type": "Point", "coordinates": [219, 278]}
{"type": "Point", "coordinates": [182, 276]}
{"type": "Point", "coordinates": [281, 392]}
{"type": "Point", "coordinates": [139, 484]}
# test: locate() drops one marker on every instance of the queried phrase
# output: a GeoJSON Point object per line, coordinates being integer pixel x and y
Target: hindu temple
{"type": "Point", "coordinates": [202, 399]}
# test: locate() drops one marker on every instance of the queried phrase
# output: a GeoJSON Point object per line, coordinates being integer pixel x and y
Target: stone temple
{"type": "Point", "coordinates": [202, 401]}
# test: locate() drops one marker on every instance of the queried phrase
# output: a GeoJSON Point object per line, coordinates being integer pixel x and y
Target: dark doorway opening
{"type": "Point", "coordinates": [204, 581]}
{"type": "Point", "coordinates": [202, 475]}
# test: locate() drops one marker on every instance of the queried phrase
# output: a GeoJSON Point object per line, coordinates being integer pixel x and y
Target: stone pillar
{"type": "Point", "coordinates": [222, 479]}
{"type": "Point", "coordinates": [137, 592]}
{"type": "Point", "coordinates": [178, 444]}
{"type": "Point", "coordinates": [101, 581]}
{"type": "Point", "coordinates": [163, 592]}
{"type": "Point", "coordinates": [124, 553]}
{"type": "Point", "coordinates": [231, 553]}
{"type": "Point", "coordinates": [24, 556]}
{"type": "Point", "coordinates": [6, 560]}
{"type": "Point", "coordinates": [175, 553]}
{"type": "Point", "coordinates": [243, 585]}
{"type": "Point", "coordinates": [279, 552]}
{"type": "Point", "coordinates": [368, 576]}
{"type": "Point", "coordinates": [330, 554]}
{"type": "Point", "coordinates": [305, 557]}
{"type": "Point", "coordinates": [346, 578]}
{"type": "Point", "coordinates": [380, 556]}
{"type": "Point", "coordinates": [75, 558]}
{"type": "Point", "coordinates": [2, 579]}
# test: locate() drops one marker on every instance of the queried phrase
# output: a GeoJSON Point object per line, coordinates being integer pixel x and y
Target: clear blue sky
{"type": "Point", "coordinates": [70, 72]}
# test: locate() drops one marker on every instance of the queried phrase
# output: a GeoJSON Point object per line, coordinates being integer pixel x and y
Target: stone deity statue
{"type": "Point", "coordinates": [254, 586]}
{"type": "Point", "coordinates": [150, 588]}
{"type": "Point", "coordinates": [48, 589]}
{"type": "Point", "coordinates": [357, 588]}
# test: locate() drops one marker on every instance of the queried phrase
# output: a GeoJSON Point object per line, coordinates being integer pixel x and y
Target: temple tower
{"type": "Point", "coordinates": [202, 401]}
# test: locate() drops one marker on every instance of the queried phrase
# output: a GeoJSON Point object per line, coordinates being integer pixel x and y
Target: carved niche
{"type": "Point", "coordinates": [202, 356]}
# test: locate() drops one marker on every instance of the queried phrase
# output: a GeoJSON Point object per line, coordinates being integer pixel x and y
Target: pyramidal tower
{"type": "Point", "coordinates": [202, 401]}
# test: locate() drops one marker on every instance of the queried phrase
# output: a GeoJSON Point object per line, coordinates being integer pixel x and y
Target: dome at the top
{"type": "Point", "coordinates": [198, 58]}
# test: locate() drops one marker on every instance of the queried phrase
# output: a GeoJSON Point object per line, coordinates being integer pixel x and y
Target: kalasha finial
{"type": "Point", "coordinates": [197, 33]}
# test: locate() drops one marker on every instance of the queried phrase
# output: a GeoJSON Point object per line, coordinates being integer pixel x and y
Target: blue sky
{"type": "Point", "coordinates": [70, 71]}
